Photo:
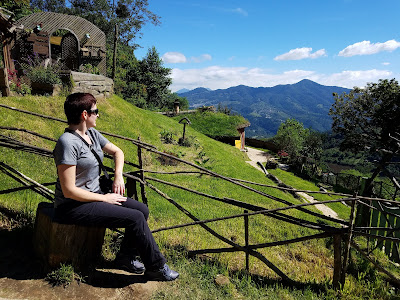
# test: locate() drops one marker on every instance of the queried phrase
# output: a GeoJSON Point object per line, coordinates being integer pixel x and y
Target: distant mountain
{"type": "Point", "coordinates": [265, 108]}
{"type": "Point", "coordinates": [182, 91]}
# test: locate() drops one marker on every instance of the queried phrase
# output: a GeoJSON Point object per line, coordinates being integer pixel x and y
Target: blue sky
{"type": "Point", "coordinates": [219, 44]}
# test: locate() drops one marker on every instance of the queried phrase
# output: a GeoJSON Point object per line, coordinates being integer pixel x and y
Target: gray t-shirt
{"type": "Point", "coordinates": [71, 150]}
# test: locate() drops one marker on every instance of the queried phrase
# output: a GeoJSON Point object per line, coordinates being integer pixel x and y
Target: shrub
{"type": "Point", "coordinates": [36, 70]}
{"type": "Point", "coordinates": [18, 85]}
{"type": "Point", "coordinates": [167, 137]}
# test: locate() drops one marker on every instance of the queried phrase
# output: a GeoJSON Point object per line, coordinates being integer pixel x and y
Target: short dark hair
{"type": "Point", "coordinates": [75, 104]}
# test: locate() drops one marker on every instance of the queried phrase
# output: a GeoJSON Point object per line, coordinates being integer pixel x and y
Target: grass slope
{"type": "Point", "coordinates": [308, 263]}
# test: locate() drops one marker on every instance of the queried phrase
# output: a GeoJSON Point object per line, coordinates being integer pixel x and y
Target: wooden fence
{"type": "Point", "coordinates": [343, 232]}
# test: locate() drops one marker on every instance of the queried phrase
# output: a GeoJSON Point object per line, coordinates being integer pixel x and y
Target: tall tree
{"type": "Point", "coordinates": [369, 118]}
{"type": "Point", "coordinates": [155, 77]}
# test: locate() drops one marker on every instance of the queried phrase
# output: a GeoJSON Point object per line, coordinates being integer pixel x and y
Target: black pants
{"type": "Point", "coordinates": [131, 215]}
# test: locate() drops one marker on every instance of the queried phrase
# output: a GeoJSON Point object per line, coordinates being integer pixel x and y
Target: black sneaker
{"type": "Point", "coordinates": [162, 274]}
{"type": "Point", "coordinates": [130, 265]}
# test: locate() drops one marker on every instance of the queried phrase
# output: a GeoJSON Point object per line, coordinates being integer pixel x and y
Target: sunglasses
{"type": "Point", "coordinates": [93, 111]}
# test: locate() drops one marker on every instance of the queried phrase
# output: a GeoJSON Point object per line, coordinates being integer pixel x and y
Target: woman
{"type": "Point", "coordinates": [79, 200]}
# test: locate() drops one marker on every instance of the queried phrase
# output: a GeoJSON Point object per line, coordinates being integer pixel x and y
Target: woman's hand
{"type": "Point", "coordinates": [114, 198]}
{"type": "Point", "coordinates": [118, 186]}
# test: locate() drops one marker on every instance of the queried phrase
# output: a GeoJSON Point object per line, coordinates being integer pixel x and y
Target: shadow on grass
{"type": "Point", "coordinates": [259, 281]}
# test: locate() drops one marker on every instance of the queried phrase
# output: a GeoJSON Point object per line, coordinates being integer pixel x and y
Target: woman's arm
{"type": "Point", "coordinates": [67, 174]}
{"type": "Point", "coordinates": [118, 154]}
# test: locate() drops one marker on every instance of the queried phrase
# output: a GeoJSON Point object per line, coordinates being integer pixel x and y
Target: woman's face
{"type": "Point", "coordinates": [92, 117]}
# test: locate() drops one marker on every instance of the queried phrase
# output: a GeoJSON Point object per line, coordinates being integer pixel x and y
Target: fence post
{"type": "Point", "coordinates": [349, 237]}
{"type": "Point", "coordinates": [246, 239]}
{"type": "Point", "coordinates": [142, 186]}
{"type": "Point", "coordinates": [337, 261]}
{"type": "Point", "coordinates": [131, 190]}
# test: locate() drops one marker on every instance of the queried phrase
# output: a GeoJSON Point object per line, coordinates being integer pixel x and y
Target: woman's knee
{"type": "Point", "coordinates": [134, 204]}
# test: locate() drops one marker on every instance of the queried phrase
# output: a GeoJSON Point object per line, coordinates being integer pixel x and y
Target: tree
{"type": "Point", "coordinates": [290, 137]}
{"type": "Point", "coordinates": [19, 8]}
{"type": "Point", "coordinates": [155, 77]}
{"type": "Point", "coordinates": [368, 118]}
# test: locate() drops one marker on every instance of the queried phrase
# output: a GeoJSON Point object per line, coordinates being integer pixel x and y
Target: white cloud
{"type": "Point", "coordinates": [385, 63]}
{"type": "Point", "coordinates": [217, 77]}
{"type": "Point", "coordinates": [201, 58]}
{"type": "Point", "coordinates": [240, 11]}
{"type": "Point", "coordinates": [179, 58]}
{"type": "Point", "coordinates": [301, 53]}
{"type": "Point", "coordinates": [174, 58]}
{"type": "Point", "coordinates": [366, 48]}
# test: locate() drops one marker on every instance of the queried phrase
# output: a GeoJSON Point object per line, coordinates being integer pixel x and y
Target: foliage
{"type": "Point", "coordinates": [367, 117]}
{"type": "Point", "coordinates": [224, 109]}
{"type": "Point", "coordinates": [167, 136]}
{"type": "Point", "coordinates": [291, 137]}
{"type": "Point", "coordinates": [89, 68]}
{"type": "Point", "coordinates": [170, 100]}
{"type": "Point", "coordinates": [63, 276]}
{"type": "Point", "coordinates": [17, 84]}
{"type": "Point", "coordinates": [151, 73]}
{"type": "Point", "coordinates": [189, 141]}
{"type": "Point", "coordinates": [35, 69]}
{"type": "Point", "coordinates": [19, 8]}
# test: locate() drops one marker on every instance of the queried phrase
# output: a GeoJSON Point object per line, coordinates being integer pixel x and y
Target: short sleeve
{"type": "Point", "coordinates": [99, 137]}
{"type": "Point", "coordinates": [65, 152]}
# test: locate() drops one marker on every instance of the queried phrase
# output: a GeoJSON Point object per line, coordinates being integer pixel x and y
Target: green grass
{"type": "Point", "coordinates": [309, 263]}
{"type": "Point", "coordinates": [214, 124]}
{"type": "Point", "coordinates": [289, 178]}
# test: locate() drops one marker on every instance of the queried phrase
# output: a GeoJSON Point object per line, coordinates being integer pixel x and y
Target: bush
{"type": "Point", "coordinates": [36, 71]}
{"type": "Point", "coordinates": [18, 85]}
{"type": "Point", "coordinates": [167, 137]}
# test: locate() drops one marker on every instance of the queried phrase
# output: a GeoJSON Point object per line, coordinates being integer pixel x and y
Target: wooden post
{"type": "Point", "coordinates": [142, 186]}
{"type": "Point", "coordinates": [246, 239]}
{"type": "Point", "coordinates": [184, 131]}
{"type": "Point", "coordinates": [337, 261]}
{"type": "Point", "coordinates": [131, 190]}
{"type": "Point", "coordinates": [349, 237]}
{"type": "Point", "coordinates": [115, 52]}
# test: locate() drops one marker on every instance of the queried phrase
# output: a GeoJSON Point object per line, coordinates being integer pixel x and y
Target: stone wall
{"type": "Point", "coordinates": [98, 85]}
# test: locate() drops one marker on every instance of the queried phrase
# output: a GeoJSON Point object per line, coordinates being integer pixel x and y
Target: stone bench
{"type": "Point", "coordinates": [56, 243]}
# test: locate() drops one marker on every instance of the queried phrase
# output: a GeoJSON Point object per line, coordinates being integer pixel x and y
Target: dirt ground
{"type": "Point", "coordinates": [21, 275]}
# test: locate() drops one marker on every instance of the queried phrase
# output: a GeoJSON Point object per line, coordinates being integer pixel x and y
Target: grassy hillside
{"type": "Point", "coordinates": [308, 263]}
{"type": "Point", "coordinates": [214, 124]}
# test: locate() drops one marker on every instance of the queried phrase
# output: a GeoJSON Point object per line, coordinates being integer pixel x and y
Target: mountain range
{"type": "Point", "coordinates": [267, 107]}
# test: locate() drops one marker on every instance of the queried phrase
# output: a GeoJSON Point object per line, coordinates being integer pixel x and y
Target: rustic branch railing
{"type": "Point", "coordinates": [344, 232]}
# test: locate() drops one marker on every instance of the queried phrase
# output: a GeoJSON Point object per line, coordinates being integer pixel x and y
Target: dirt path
{"type": "Point", "coordinates": [257, 155]}
{"type": "Point", "coordinates": [260, 156]}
